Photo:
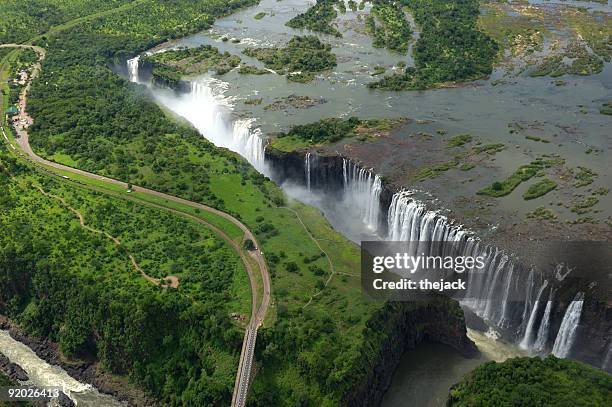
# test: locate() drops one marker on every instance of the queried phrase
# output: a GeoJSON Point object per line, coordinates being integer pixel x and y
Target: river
{"type": "Point", "coordinates": [42, 374]}
{"type": "Point", "coordinates": [426, 374]}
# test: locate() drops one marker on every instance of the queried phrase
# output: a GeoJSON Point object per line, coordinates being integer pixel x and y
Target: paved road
{"type": "Point", "coordinates": [257, 314]}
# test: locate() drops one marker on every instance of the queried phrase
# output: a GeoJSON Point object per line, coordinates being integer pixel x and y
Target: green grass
{"type": "Point", "coordinates": [539, 189]}
{"type": "Point", "coordinates": [289, 143]}
{"type": "Point", "coordinates": [260, 15]}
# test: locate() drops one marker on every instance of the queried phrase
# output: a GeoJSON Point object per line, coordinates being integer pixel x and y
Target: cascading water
{"type": "Point", "coordinates": [133, 66]}
{"type": "Point", "coordinates": [490, 293]}
{"type": "Point", "coordinates": [528, 336]}
{"type": "Point", "coordinates": [210, 112]}
{"type": "Point", "coordinates": [248, 142]}
{"type": "Point", "coordinates": [42, 374]}
{"type": "Point", "coordinates": [362, 187]}
{"type": "Point", "coordinates": [307, 167]}
{"type": "Point", "coordinates": [569, 326]}
{"type": "Point", "coordinates": [542, 337]}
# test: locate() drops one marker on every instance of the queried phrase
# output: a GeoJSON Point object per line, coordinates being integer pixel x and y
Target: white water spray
{"type": "Point", "coordinates": [133, 66]}
{"type": "Point", "coordinates": [542, 337]}
{"type": "Point", "coordinates": [528, 337]}
{"type": "Point", "coordinates": [569, 326]}
{"type": "Point", "coordinates": [42, 374]}
{"type": "Point", "coordinates": [206, 107]}
{"type": "Point", "coordinates": [307, 167]}
{"type": "Point", "coordinates": [362, 187]}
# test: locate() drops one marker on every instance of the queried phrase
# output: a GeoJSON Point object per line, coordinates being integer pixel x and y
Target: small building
{"type": "Point", "coordinates": [12, 110]}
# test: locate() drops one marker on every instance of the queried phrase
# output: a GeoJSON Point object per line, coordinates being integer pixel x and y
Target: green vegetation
{"type": "Point", "coordinates": [394, 32]}
{"type": "Point", "coordinates": [6, 381]}
{"type": "Point", "coordinates": [459, 140]}
{"type": "Point", "coordinates": [522, 174]}
{"type": "Point", "coordinates": [23, 20]}
{"type": "Point", "coordinates": [520, 34]}
{"type": "Point", "coordinates": [575, 60]}
{"type": "Point", "coordinates": [252, 70]}
{"type": "Point", "coordinates": [539, 189]}
{"type": "Point", "coordinates": [260, 15]}
{"type": "Point", "coordinates": [536, 138]}
{"type": "Point", "coordinates": [449, 49]}
{"type": "Point", "coordinates": [255, 101]}
{"type": "Point", "coordinates": [533, 382]}
{"type": "Point", "coordinates": [606, 108]}
{"type": "Point", "coordinates": [584, 176]}
{"type": "Point", "coordinates": [585, 205]}
{"type": "Point", "coordinates": [460, 160]}
{"type": "Point", "coordinates": [87, 115]}
{"type": "Point", "coordinates": [318, 18]}
{"type": "Point", "coordinates": [331, 131]}
{"type": "Point", "coordinates": [378, 70]}
{"type": "Point", "coordinates": [542, 213]}
{"type": "Point", "coordinates": [434, 170]}
{"type": "Point", "coordinates": [169, 67]}
{"type": "Point", "coordinates": [300, 59]}
{"type": "Point", "coordinates": [78, 288]}
{"type": "Point", "coordinates": [467, 166]}
{"type": "Point", "coordinates": [491, 149]}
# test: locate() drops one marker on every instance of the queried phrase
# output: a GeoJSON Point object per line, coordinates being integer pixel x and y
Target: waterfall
{"type": "Point", "coordinates": [249, 143]}
{"type": "Point", "coordinates": [307, 169]}
{"type": "Point", "coordinates": [362, 188]}
{"type": "Point", "coordinates": [133, 65]}
{"type": "Point", "coordinates": [607, 366]}
{"type": "Point", "coordinates": [542, 336]}
{"type": "Point", "coordinates": [206, 107]}
{"type": "Point", "coordinates": [528, 337]}
{"type": "Point", "coordinates": [567, 332]}
{"type": "Point", "coordinates": [503, 320]}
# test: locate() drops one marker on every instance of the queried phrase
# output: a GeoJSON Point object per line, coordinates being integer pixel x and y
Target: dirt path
{"type": "Point", "coordinates": [170, 281]}
{"type": "Point", "coordinates": [257, 314]}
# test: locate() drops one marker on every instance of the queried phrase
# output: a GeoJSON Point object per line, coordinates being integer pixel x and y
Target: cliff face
{"type": "Point", "coordinates": [399, 327]}
{"type": "Point", "coordinates": [326, 175]}
{"type": "Point", "coordinates": [326, 171]}
{"type": "Point", "coordinates": [592, 337]}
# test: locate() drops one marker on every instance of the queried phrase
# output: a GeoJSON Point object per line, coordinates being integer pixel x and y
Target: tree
{"type": "Point", "coordinates": [249, 245]}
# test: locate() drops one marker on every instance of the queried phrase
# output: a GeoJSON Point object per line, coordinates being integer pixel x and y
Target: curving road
{"type": "Point", "coordinates": [257, 314]}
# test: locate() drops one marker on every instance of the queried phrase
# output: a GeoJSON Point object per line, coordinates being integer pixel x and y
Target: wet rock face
{"type": "Point", "coordinates": [12, 370]}
{"type": "Point", "coordinates": [65, 401]}
{"type": "Point", "coordinates": [325, 171]}
{"type": "Point", "coordinates": [509, 317]}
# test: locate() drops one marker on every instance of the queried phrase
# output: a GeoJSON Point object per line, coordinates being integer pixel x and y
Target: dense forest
{"type": "Point", "coordinates": [76, 287]}
{"type": "Point", "coordinates": [533, 382]}
{"type": "Point", "coordinates": [22, 20]}
{"type": "Point", "coordinates": [300, 59]}
{"type": "Point", "coordinates": [450, 47]}
{"type": "Point", "coordinates": [318, 18]}
{"type": "Point", "coordinates": [87, 116]}
{"type": "Point", "coordinates": [393, 31]}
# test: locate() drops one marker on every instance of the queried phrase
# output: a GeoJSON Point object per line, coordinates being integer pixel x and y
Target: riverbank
{"type": "Point", "coordinates": [85, 371]}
